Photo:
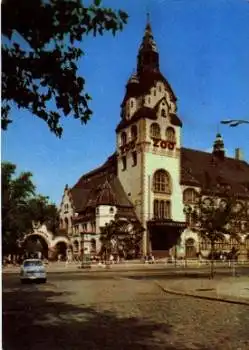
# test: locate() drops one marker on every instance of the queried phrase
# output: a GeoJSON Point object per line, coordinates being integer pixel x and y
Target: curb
{"type": "Point", "coordinates": [197, 296]}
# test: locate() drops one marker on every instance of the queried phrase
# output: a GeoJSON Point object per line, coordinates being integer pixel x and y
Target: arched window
{"type": "Point", "coordinates": [170, 134]}
{"type": "Point", "coordinates": [161, 182]}
{"type": "Point", "coordinates": [163, 112]}
{"type": "Point", "coordinates": [159, 88]}
{"type": "Point", "coordinates": [155, 131]}
{"type": "Point", "coordinates": [190, 196]}
{"type": "Point", "coordinates": [123, 138]}
{"type": "Point", "coordinates": [133, 132]}
{"type": "Point", "coordinates": [111, 210]}
{"type": "Point", "coordinates": [162, 209]}
{"type": "Point", "coordinates": [132, 103]}
{"type": "Point", "coordinates": [154, 92]}
{"type": "Point", "coordinates": [149, 100]}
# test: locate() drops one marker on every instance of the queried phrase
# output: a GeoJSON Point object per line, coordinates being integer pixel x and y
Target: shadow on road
{"type": "Point", "coordinates": [40, 319]}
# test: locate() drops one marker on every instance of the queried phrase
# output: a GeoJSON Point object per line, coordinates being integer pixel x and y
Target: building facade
{"type": "Point", "coordinates": [151, 177]}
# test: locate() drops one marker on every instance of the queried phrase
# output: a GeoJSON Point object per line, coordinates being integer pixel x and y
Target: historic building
{"type": "Point", "coordinates": [151, 177]}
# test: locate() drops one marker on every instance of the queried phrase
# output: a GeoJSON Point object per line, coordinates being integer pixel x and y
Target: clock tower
{"type": "Point", "coordinates": [148, 145]}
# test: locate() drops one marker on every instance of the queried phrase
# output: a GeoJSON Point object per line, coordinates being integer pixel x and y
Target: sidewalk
{"type": "Point", "coordinates": [73, 267]}
{"type": "Point", "coordinates": [229, 289]}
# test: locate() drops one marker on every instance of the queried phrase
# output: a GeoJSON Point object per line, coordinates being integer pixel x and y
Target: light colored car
{"type": "Point", "coordinates": [33, 270]}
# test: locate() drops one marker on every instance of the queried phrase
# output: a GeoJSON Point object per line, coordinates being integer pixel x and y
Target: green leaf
{"type": "Point", "coordinates": [97, 3]}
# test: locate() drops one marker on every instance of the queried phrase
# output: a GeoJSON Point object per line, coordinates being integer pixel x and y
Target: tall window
{"type": "Point", "coordinates": [124, 163]}
{"type": "Point", "coordinates": [133, 132]}
{"type": "Point", "coordinates": [190, 196]}
{"type": "Point", "coordinates": [123, 138]}
{"type": "Point", "coordinates": [132, 103]}
{"type": "Point", "coordinates": [162, 209]}
{"type": "Point", "coordinates": [155, 131]}
{"type": "Point", "coordinates": [161, 182]}
{"type": "Point", "coordinates": [134, 158]}
{"type": "Point", "coordinates": [66, 224]}
{"type": "Point", "coordinates": [170, 134]}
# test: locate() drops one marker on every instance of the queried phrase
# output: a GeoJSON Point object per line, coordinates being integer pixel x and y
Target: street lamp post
{"type": "Point", "coordinates": [235, 122]}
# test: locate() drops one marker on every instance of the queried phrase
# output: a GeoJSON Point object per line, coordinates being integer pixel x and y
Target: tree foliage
{"type": "Point", "coordinates": [215, 221]}
{"type": "Point", "coordinates": [121, 238]}
{"type": "Point", "coordinates": [21, 206]}
{"type": "Point", "coordinates": [40, 54]}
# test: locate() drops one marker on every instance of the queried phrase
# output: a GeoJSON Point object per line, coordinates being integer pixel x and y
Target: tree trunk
{"type": "Point", "coordinates": [212, 261]}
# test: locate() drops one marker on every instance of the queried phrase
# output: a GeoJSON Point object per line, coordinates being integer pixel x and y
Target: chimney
{"type": "Point", "coordinates": [238, 154]}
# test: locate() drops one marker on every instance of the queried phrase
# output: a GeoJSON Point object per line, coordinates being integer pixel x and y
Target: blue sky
{"type": "Point", "coordinates": [204, 54]}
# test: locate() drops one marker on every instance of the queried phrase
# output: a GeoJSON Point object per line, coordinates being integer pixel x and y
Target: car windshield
{"type": "Point", "coordinates": [33, 263]}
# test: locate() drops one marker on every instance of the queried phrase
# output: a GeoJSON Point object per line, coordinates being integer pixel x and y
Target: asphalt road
{"type": "Point", "coordinates": [116, 310]}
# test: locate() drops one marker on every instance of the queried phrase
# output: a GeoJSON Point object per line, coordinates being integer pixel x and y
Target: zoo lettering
{"type": "Point", "coordinates": [163, 144]}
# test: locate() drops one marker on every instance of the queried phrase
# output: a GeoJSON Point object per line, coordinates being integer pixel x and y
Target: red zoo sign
{"type": "Point", "coordinates": [156, 143]}
{"type": "Point", "coordinates": [163, 144]}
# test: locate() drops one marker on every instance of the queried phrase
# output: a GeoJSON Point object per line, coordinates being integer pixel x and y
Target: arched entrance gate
{"type": "Point", "coordinates": [43, 244]}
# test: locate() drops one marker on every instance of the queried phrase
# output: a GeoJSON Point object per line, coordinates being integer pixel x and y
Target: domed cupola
{"type": "Point", "coordinates": [218, 147]}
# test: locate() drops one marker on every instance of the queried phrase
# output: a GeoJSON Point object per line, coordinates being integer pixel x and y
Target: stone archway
{"type": "Point", "coordinates": [35, 245]}
{"type": "Point", "coordinates": [61, 251]}
{"type": "Point", "coordinates": [59, 248]}
{"type": "Point", "coordinates": [190, 248]}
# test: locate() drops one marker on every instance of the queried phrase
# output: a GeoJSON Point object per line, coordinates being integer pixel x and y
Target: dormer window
{"type": "Point", "coordinates": [163, 113]}
{"type": "Point", "coordinates": [190, 196]}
